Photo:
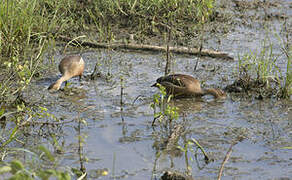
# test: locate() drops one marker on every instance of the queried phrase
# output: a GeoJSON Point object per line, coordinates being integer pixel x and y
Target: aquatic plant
{"type": "Point", "coordinates": [166, 112]}
{"type": "Point", "coordinates": [34, 121]}
{"type": "Point", "coordinates": [15, 169]}
{"type": "Point", "coordinates": [286, 90]}
{"type": "Point", "coordinates": [167, 140]}
{"type": "Point", "coordinates": [42, 163]}
{"type": "Point", "coordinates": [260, 75]}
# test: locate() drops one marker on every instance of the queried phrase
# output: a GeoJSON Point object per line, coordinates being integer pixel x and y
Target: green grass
{"type": "Point", "coordinates": [259, 71]}
{"type": "Point", "coordinates": [287, 86]}
{"type": "Point", "coordinates": [149, 18]}
{"type": "Point", "coordinates": [26, 29]}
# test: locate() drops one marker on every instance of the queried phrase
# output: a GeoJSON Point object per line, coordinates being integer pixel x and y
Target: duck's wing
{"type": "Point", "coordinates": [175, 80]}
{"type": "Point", "coordinates": [173, 89]}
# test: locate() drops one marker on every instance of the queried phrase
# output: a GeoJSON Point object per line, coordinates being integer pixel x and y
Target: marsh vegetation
{"type": "Point", "coordinates": [93, 128]}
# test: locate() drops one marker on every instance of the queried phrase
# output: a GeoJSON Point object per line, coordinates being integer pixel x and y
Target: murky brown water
{"type": "Point", "coordinates": [127, 149]}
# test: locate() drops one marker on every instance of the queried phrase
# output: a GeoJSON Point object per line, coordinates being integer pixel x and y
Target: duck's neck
{"type": "Point", "coordinates": [210, 91]}
{"type": "Point", "coordinates": [59, 82]}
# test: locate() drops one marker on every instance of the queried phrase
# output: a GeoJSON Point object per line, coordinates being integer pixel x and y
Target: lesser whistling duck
{"type": "Point", "coordinates": [70, 66]}
{"type": "Point", "coordinates": [181, 85]}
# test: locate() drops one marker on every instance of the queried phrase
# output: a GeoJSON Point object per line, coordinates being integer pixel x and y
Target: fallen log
{"type": "Point", "coordinates": [131, 46]}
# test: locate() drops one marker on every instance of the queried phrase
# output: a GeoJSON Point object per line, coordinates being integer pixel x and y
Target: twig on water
{"type": "Point", "coordinates": [121, 97]}
{"type": "Point", "coordinates": [227, 157]}
{"type": "Point", "coordinates": [207, 159]}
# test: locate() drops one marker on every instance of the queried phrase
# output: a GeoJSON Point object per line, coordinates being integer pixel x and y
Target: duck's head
{"type": "Point", "coordinates": [54, 87]}
{"type": "Point", "coordinates": [155, 85]}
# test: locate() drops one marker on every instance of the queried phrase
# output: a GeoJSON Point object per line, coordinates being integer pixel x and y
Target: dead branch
{"type": "Point", "coordinates": [227, 157]}
{"type": "Point", "coordinates": [178, 50]}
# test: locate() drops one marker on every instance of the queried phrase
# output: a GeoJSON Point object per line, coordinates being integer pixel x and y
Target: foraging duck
{"type": "Point", "coordinates": [70, 66]}
{"type": "Point", "coordinates": [182, 85]}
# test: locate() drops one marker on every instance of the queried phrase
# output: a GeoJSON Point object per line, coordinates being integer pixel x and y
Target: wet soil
{"type": "Point", "coordinates": [119, 138]}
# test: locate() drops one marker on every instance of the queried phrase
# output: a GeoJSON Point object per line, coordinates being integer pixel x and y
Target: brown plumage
{"type": "Point", "coordinates": [70, 66]}
{"type": "Point", "coordinates": [181, 85]}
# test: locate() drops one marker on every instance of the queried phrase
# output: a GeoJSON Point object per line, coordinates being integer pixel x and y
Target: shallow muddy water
{"type": "Point", "coordinates": [121, 140]}
{"type": "Point", "coordinates": [125, 144]}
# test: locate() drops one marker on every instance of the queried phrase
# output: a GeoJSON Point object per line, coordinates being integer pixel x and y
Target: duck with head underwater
{"type": "Point", "coordinates": [182, 85]}
{"type": "Point", "coordinates": [70, 66]}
